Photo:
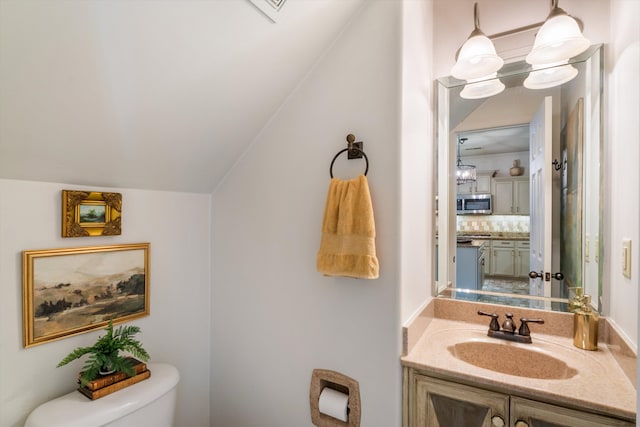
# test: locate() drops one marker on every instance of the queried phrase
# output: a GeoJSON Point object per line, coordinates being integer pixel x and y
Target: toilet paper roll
{"type": "Point", "coordinates": [334, 404]}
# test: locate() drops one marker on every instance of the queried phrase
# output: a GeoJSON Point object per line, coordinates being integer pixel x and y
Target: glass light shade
{"type": "Point", "coordinates": [549, 77]}
{"type": "Point", "coordinates": [558, 39]}
{"type": "Point", "coordinates": [477, 58]}
{"type": "Point", "coordinates": [482, 88]}
{"type": "Point", "coordinates": [465, 173]}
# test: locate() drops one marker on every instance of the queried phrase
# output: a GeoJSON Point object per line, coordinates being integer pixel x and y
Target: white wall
{"type": "Point", "coordinates": [417, 173]}
{"type": "Point", "coordinates": [501, 163]}
{"type": "Point", "coordinates": [621, 159]}
{"type": "Point", "coordinates": [177, 330]}
{"type": "Point", "coordinates": [274, 317]}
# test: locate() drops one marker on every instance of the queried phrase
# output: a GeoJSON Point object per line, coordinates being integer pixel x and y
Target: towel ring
{"type": "Point", "coordinates": [347, 149]}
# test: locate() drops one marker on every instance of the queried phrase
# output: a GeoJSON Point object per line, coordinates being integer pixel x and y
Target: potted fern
{"type": "Point", "coordinates": [105, 357]}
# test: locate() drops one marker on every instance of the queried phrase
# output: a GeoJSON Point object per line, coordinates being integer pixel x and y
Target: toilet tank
{"type": "Point", "coordinates": [150, 402]}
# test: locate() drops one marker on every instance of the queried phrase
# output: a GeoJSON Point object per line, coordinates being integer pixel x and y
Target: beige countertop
{"type": "Point", "coordinates": [599, 385]}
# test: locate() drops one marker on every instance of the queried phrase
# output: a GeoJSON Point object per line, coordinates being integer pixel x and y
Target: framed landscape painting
{"type": "Point", "coordinates": [75, 290]}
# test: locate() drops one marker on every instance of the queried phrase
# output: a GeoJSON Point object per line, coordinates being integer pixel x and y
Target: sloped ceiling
{"type": "Point", "coordinates": [148, 94]}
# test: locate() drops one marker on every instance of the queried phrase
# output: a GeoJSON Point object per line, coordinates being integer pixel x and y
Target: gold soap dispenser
{"type": "Point", "coordinates": [585, 326]}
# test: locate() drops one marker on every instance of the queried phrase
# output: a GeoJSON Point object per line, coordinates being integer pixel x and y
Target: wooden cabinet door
{"type": "Point", "coordinates": [529, 413]}
{"type": "Point", "coordinates": [502, 262]}
{"type": "Point", "coordinates": [511, 195]}
{"type": "Point", "coordinates": [445, 404]}
{"type": "Point", "coordinates": [483, 184]}
{"type": "Point", "coordinates": [521, 197]}
{"type": "Point", "coordinates": [502, 197]}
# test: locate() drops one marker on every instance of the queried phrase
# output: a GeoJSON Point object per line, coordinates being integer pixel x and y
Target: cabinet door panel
{"type": "Point", "coordinates": [511, 196]}
{"type": "Point", "coordinates": [537, 414]}
{"type": "Point", "coordinates": [502, 197]}
{"type": "Point", "coordinates": [483, 184]}
{"type": "Point", "coordinates": [502, 262]}
{"type": "Point", "coordinates": [521, 192]}
{"type": "Point", "coordinates": [445, 404]}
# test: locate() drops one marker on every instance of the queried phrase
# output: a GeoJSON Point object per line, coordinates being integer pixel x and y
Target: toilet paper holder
{"type": "Point", "coordinates": [321, 378]}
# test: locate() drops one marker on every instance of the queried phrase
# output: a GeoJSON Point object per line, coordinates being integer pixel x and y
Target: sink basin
{"type": "Point", "coordinates": [512, 359]}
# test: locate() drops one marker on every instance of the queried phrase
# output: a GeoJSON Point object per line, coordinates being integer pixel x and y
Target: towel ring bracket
{"type": "Point", "coordinates": [355, 148]}
{"type": "Point", "coordinates": [354, 151]}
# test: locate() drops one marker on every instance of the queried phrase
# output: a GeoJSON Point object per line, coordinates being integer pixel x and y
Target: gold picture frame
{"type": "Point", "coordinates": [71, 291]}
{"type": "Point", "coordinates": [91, 213]}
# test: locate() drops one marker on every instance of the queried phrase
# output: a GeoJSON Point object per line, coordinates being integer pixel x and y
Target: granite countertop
{"type": "Point", "coordinates": [610, 394]}
{"type": "Point", "coordinates": [471, 243]}
{"type": "Point", "coordinates": [494, 235]}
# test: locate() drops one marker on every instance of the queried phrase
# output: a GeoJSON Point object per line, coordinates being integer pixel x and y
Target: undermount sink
{"type": "Point", "coordinates": [512, 360]}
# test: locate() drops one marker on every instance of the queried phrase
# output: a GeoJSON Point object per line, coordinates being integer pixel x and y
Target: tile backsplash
{"type": "Point", "coordinates": [493, 223]}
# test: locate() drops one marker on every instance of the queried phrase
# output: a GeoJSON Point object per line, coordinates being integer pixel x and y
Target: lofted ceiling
{"type": "Point", "coordinates": [162, 95]}
{"type": "Point", "coordinates": [490, 128]}
{"type": "Point", "coordinates": [500, 140]}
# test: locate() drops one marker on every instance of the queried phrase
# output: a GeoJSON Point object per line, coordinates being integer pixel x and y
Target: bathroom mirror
{"type": "Point", "coordinates": [547, 219]}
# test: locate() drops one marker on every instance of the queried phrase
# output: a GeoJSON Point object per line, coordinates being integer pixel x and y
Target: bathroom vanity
{"type": "Point", "coordinates": [442, 403]}
{"type": "Point", "coordinates": [453, 371]}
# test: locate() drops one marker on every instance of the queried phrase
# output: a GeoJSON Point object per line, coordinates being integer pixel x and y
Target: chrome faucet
{"type": "Point", "coordinates": [508, 330]}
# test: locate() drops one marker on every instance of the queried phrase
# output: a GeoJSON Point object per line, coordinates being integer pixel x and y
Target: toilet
{"type": "Point", "coordinates": [150, 402]}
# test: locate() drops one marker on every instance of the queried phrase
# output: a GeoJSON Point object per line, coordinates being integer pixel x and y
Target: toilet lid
{"type": "Point", "coordinates": [76, 410]}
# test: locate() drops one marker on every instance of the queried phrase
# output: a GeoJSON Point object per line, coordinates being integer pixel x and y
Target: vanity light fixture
{"type": "Point", "coordinates": [464, 173]}
{"type": "Point", "coordinates": [477, 58]}
{"type": "Point", "coordinates": [559, 39]}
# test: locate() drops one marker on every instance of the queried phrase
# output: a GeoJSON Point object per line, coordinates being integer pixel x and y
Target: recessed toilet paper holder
{"type": "Point", "coordinates": [324, 378]}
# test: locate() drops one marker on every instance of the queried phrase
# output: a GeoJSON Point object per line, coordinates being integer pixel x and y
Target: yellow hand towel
{"type": "Point", "coordinates": [348, 244]}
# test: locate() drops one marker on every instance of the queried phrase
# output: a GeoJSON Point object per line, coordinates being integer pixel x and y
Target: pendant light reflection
{"type": "Point", "coordinates": [464, 173]}
{"type": "Point", "coordinates": [477, 56]}
{"type": "Point", "coordinates": [560, 38]}
{"type": "Point", "coordinates": [483, 87]}
{"type": "Point", "coordinates": [546, 76]}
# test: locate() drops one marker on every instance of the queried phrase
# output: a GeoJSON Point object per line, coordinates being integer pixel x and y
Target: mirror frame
{"type": "Point", "coordinates": [444, 220]}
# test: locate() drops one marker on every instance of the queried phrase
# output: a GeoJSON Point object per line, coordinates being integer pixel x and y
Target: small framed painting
{"type": "Point", "coordinates": [91, 213]}
{"type": "Point", "coordinates": [76, 290]}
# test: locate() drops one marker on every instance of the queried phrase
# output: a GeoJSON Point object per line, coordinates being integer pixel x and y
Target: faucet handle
{"type": "Point", "coordinates": [524, 328]}
{"type": "Point", "coordinates": [494, 325]}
